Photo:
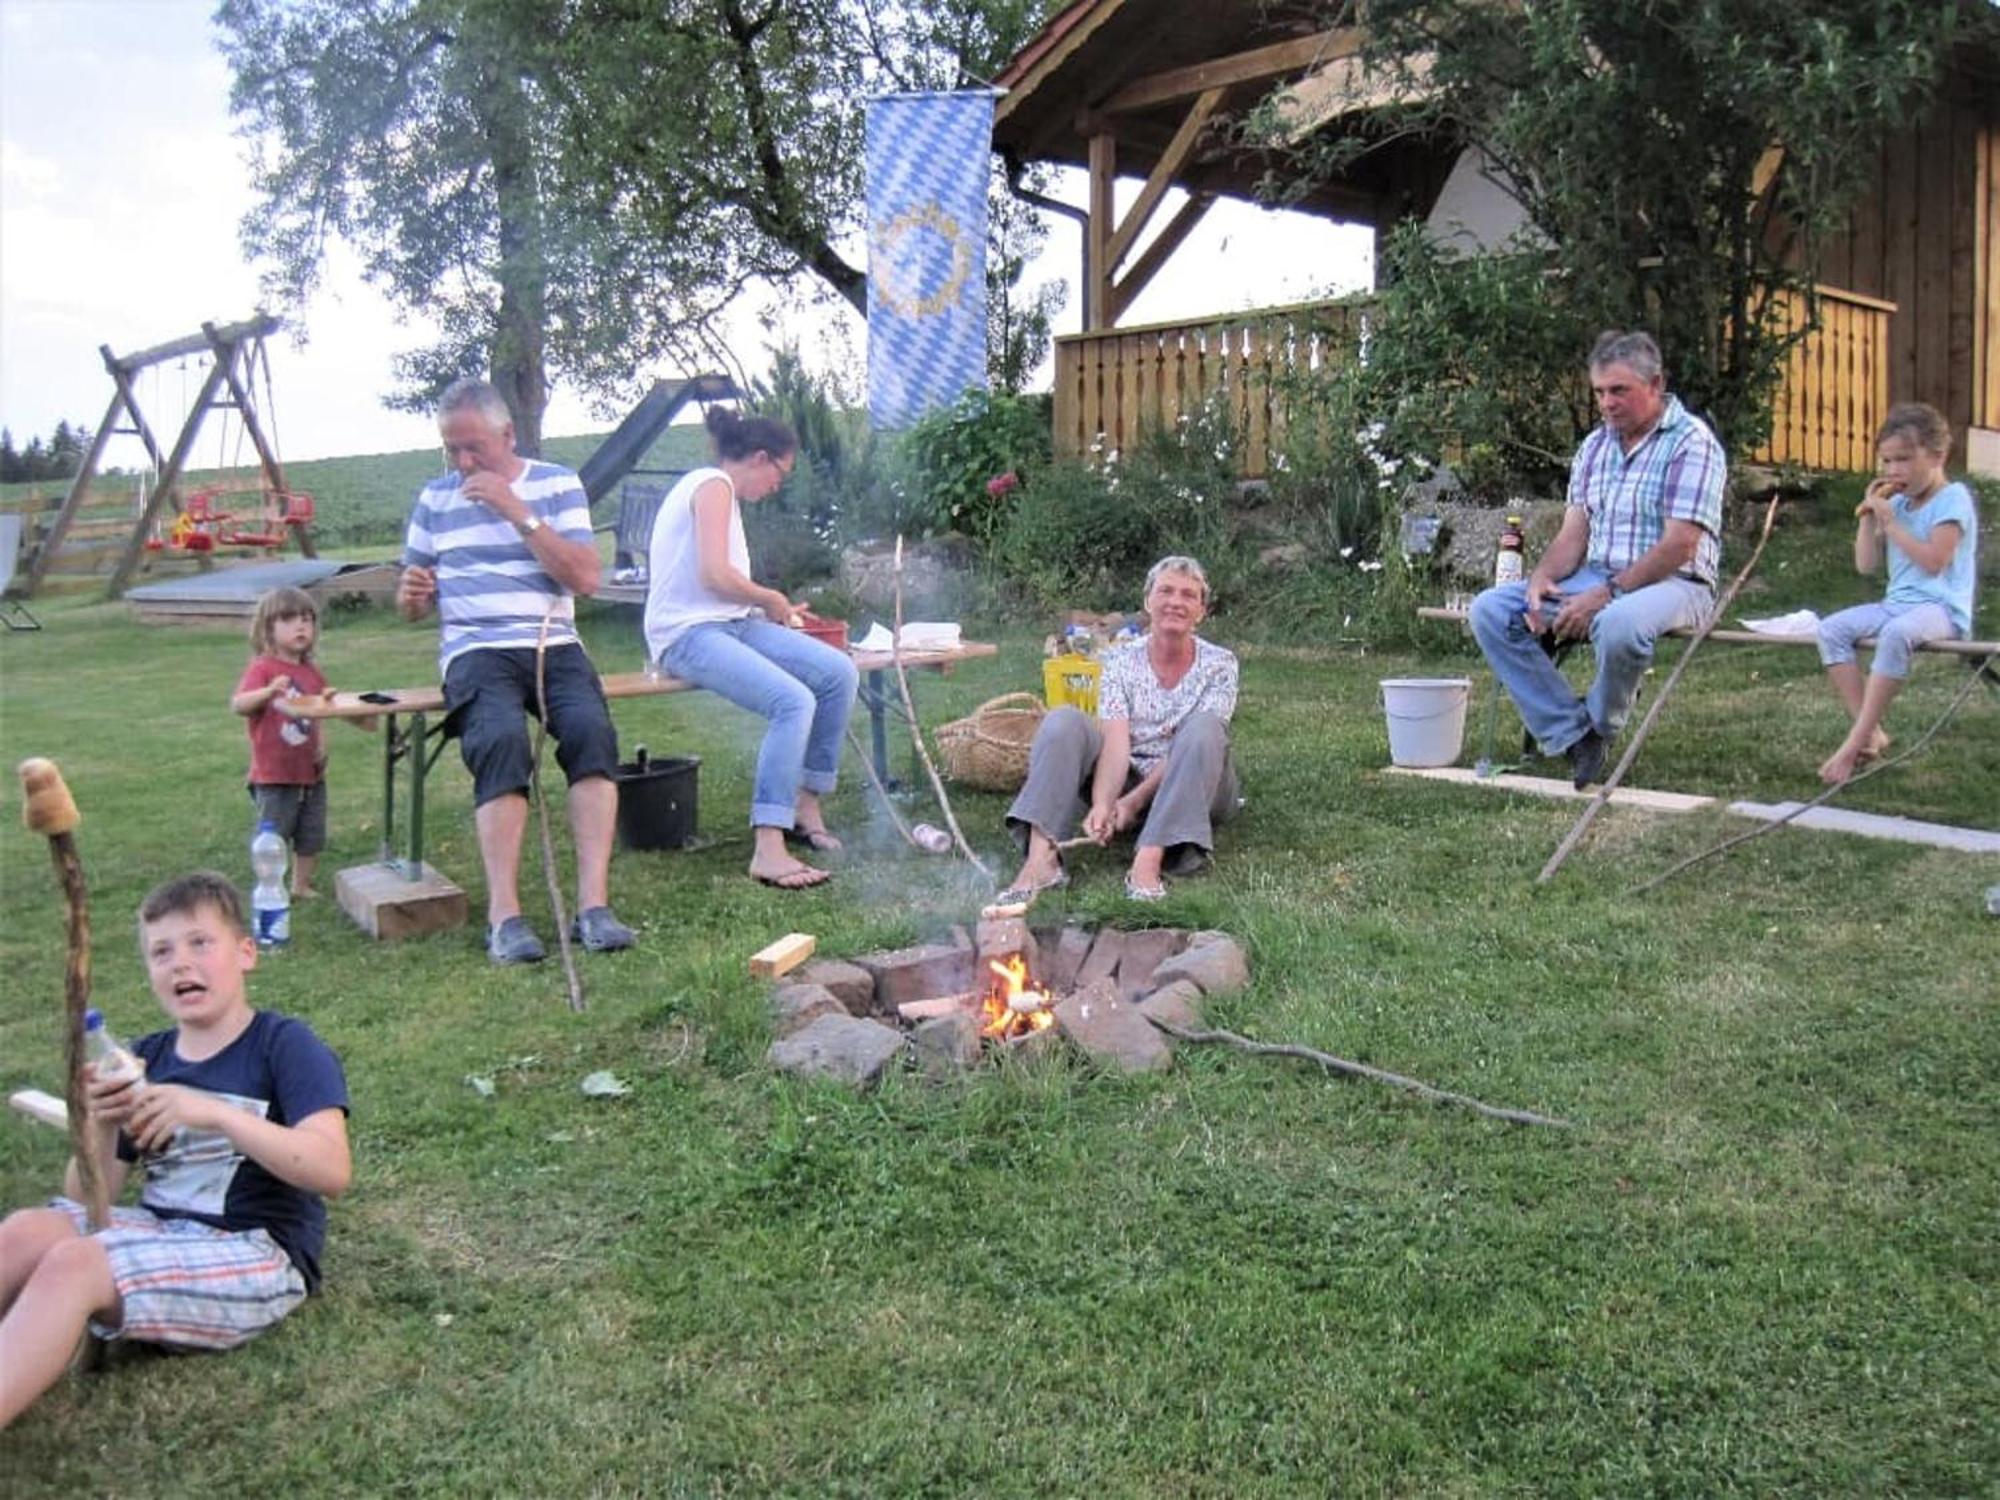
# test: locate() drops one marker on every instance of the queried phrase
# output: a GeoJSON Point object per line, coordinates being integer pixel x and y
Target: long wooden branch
{"type": "Point", "coordinates": [48, 809]}
{"type": "Point", "coordinates": [1359, 1070]}
{"type": "Point", "coordinates": [1972, 680]}
{"type": "Point", "coordinates": [917, 729]}
{"type": "Point", "coordinates": [1575, 835]}
{"type": "Point", "coordinates": [570, 975]}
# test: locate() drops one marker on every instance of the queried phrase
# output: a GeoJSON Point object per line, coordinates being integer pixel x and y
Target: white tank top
{"type": "Point", "coordinates": [677, 598]}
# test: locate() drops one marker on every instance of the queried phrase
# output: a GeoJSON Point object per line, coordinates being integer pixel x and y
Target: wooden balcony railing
{"type": "Point", "coordinates": [1111, 384]}
{"type": "Point", "coordinates": [1835, 389]}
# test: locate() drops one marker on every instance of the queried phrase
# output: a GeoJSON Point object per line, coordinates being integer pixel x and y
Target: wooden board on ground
{"type": "Point", "coordinates": [37, 1105]}
{"type": "Point", "coordinates": [385, 904]}
{"type": "Point", "coordinates": [1876, 826]}
{"type": "Point", "coordinates": [1549, 786]}
{"type": "Point", "coordinates": [783, 956]}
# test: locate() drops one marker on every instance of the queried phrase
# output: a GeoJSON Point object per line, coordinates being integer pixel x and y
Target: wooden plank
{"type": "Point", "coordinates": [1986, 285]}
{"type": "Point", "coordinates": [1900, 231]}
{"type": "Point", "coordinates": [1068, 397]}
{"type": "Point", "coordinates": [946, 1005]}
{"type": "Point", "coordinates": [1256, 429]}
{"type": "Point", "coordinates": [1961, 274]}
{"type": "Point", "coordinates": [782, 956]}
{"type": "Point", "coordinates": [1251, 66]}
{"type": "Point", "coordinates": [1933, 255]}
{"type": "Point", "coordinates": [1560, 790]}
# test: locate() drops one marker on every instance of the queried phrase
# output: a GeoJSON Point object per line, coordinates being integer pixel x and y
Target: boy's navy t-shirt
{"type": "Point", "coordinates": [278, 1069]}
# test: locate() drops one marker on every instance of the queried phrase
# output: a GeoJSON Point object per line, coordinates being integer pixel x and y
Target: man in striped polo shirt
{"type": "Point", "coordinates": [1637, 555]}
{"type": "Point", "coordinates": [501, 546]}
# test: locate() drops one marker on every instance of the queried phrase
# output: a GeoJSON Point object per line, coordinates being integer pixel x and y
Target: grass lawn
{"type": "Point", "coordinates": [1764, 1261]}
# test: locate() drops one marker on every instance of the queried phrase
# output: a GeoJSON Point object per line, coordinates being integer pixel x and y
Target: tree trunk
{"type": "Point", "coordinates": [516, 358]}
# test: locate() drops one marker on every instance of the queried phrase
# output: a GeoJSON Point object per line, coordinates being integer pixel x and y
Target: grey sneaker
{"type": "Point", "coordinates": [514, 942]}
{"type": "Point", "coordinates": [599, 931]}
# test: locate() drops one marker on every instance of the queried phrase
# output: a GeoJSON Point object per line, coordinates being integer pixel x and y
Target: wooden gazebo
{"type": "Point", "coordinates": [1142, 88]}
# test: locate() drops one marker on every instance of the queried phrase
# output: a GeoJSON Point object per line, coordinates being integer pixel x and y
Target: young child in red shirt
{"type": "Point", "coordinates": [287, 755]}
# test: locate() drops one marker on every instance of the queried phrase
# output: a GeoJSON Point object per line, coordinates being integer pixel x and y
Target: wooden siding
{"type": "Point", "coordinates": [1922, 238]}
{"type": "Point", "coordinates": [1835, 390]}
{"type": "Point", "coordinates": [1112, 385]}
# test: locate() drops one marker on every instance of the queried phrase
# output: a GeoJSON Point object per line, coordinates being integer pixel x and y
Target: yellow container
{"type": "Point", "coordinates": [1071, 681]}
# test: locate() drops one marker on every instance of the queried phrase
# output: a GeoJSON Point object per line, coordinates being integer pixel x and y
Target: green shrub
{"type": "Point", "coordinates": [957, 451]}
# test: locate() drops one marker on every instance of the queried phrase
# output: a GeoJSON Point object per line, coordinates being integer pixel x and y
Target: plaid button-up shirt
{"type": "Point", "coordinates": [1675, 474]}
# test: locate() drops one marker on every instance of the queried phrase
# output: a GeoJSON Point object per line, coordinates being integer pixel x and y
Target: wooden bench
{"type": "Point", "coordinates": [1972, 650]}
{"type": "Point", "coordinates": [421, 742]}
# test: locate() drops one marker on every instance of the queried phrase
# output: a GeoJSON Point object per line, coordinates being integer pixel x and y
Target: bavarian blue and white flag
{"type": "Point", "coordinates": [927, 166]}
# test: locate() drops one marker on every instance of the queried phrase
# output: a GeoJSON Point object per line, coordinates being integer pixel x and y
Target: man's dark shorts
{"type": "Point", "coordinates": [487, 694]}
{"type": "Point", "coordinates": [299, 813]}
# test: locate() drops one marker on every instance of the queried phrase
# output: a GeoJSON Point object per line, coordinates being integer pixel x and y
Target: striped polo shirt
{"type": "Point", "coordinates": [1675, 474]}
{"type": "Point", "coordinates": [491, 590]}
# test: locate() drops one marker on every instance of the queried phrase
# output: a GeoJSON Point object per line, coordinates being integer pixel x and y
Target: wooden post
{"type": "Point", "coordinates": [59, 528]}
{"type": "Point", "coordinates": [1097, 312]}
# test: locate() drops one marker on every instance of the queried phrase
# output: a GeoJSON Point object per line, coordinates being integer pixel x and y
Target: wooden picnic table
{"type": "Point", "coordinates": [420, 742]}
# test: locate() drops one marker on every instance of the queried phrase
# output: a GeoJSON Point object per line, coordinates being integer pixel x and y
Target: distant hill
{"type": "Point", "coordinates": [366, 498]}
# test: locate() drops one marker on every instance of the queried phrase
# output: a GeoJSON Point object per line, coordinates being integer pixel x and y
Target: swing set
{"type": "Point", "coordinates": [259, 513]}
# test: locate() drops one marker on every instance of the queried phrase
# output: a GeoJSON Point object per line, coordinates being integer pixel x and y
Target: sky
{"type": "Point", "coordinates": [122, 185]}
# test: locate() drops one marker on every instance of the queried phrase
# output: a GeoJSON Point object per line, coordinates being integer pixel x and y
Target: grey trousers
{"type": "Point", "coordinates": [1198, 790]}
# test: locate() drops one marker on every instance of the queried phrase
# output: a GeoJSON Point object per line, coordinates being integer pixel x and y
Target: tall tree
{"type": "Point", "coordinates": [1681, 161]}
{"type": "Point", "coordinates": [577, 187]}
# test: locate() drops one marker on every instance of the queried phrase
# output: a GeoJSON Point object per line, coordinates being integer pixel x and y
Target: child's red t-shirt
{"type": "Point", "coordinates": [284, 751]}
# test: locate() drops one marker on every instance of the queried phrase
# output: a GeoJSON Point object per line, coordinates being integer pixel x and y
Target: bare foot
{"type": "Point", "coordinates": [1877, 747]}
{"type": "Point", "coordinates": [1838, 766]}
{"type": "Point", "coordinates": [813, 838]}
{"type": "Point", "coordinates": [787, 874]}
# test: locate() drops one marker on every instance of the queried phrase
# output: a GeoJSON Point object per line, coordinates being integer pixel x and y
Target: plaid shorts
{"type": "Point", "coordinates": [191, 1285]}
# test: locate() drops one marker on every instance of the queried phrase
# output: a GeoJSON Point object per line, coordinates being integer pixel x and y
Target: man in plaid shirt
{"type": "Point", "coordinates": [1637, 556]}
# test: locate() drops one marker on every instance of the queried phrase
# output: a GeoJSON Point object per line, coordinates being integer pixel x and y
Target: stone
{"type": "Point", "coordinates": [796, 1005]}
{"type": "Point", "coordinates": [1283, 557]}
{"type": "Point", "coordinates": [1178, 1004]}
{"type": "Point", "coordinates": [1144, 951]}
{"type": "Point", "coordinates": [852, 986]}
{"type": "Point", "coordinates": [920, 973]}
{"type": "Point", "coordinates": [1214, 962]}
{"type": "Point", "coordinates": [936, 573]}
{"type": "Point", "coordinates": [841, 1048]}
{"type": "Point", "coordinates": [1066, 954]}
{"type": "Point", "coordinates": [1111, 1032]}
{"type": "Point", "coordinates": [1001, 938]}
{"type": "Point", "coordinates": [947, 1045]}
{"type": "Point", "coordinates": [1102, 960]}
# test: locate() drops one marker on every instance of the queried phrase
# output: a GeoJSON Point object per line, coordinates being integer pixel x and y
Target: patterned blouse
{"type": "Point", "coordinates": [1129, 690]}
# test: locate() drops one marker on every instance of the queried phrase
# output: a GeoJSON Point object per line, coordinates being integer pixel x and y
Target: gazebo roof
{"type": "Point", "coordinates": [1133, 68]}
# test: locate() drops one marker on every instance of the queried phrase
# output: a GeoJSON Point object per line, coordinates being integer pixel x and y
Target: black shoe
{"type": "Point", "coordinates": [1586, 759]}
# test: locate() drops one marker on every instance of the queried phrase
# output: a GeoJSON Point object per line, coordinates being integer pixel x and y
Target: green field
{"type": "Point", "coordinates": [1762, 1263]}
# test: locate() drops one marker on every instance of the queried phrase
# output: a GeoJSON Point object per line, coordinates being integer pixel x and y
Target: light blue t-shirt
{"type": "Point", "coordinates": [1952, 585]}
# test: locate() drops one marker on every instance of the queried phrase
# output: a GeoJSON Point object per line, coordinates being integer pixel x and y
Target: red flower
{"type": "Point", "coordinates": [1001, 484]}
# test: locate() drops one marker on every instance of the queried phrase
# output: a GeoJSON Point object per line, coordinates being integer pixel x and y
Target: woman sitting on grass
{"type": "Point", "coordinates": [709, 622]}
{"type": "Point", "coordinates": [1929, 526]}
{"type": "Point", "coordinates": [1155, 759]}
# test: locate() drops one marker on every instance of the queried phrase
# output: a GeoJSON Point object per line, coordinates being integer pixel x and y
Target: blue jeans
{"type": "Point", "coordinates": [1622, 635]}
{"type": "Point", "coordinates": [804, 688]}
{"type": "Point", "coordinates": [1898, 630]}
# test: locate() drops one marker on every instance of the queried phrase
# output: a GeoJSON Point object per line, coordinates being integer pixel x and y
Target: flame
{"type": "Point", "coordinates": [1001, 1017]}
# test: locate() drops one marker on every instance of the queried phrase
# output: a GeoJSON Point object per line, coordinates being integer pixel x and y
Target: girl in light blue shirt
{"type": "Point", "coordinates": [1927, 526]}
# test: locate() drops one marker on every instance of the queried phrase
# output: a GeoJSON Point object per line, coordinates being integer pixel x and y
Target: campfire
{"type": "Point", "coordinates": [1010, 1006]}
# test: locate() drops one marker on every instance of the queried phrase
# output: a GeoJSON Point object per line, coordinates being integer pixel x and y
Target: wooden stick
{"type": "Point", "coordinates": [1972, 679]}
{"type": "Point", "coordinates": [570, 975]}
{"type": "Point", "coordinates": [1358, 1070]}
{"type": "Point", "coordinates": [881, 791]}
{"type": "Point", "coordinates": [1575, 835]}
{"type": "Point", "coordinates": [48, 809]}
{"type": "Point", "coordinates": [917, 730]}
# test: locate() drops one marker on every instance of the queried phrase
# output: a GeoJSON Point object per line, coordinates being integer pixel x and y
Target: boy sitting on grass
{"type": "Point", "coordinates": [239, 1122]}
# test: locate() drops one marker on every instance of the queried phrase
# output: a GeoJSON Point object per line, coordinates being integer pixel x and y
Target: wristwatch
{"type": "Point", "coordinates": [1611, 585]}
{"type": "Point", "coordinates": [529, 525]}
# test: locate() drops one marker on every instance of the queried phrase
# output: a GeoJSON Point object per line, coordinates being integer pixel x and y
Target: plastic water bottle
{"type": "Point", "coordinates": [270, 903]}
{"type": "Point", "coordinates": [110, 1059]}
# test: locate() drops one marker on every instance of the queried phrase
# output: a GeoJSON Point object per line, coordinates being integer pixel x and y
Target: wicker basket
{"type": "Point", "coordinates": [988, 748]}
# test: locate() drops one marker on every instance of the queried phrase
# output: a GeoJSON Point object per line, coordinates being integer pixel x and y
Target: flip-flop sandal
{"type": "Point", "coordinates": [789, 881]}
{"type": "Point", "coordinates": [1137, 892]}
{"type": "Point", "coordinates": [819, 840]}
{"type": "Point", "coordinates": [1018, 898]}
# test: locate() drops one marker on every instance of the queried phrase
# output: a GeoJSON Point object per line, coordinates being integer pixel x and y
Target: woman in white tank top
{"type": "Point", "coordinates": [710, 623]}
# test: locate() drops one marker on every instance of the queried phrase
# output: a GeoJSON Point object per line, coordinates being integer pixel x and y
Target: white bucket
{"type": "Point", "coordinates": [1426, 718]}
